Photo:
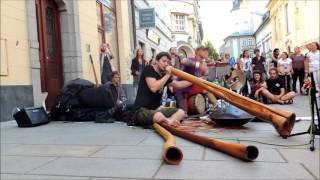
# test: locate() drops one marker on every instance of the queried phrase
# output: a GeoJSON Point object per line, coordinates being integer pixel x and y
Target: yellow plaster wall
{"type": "Point", "coordinates": [125, 49]}
{"type": "Point", "coordinates": [89, 36]}
{"type": "Point", "coordinates": [15, 63]}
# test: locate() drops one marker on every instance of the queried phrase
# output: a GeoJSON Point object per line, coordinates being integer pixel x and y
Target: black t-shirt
{"type": "Point", "coordinates": [145, 97]}
{"type": "Point", "coordinates": [274, 86]}
{"type": "Point", "coordinates": [259, 64]}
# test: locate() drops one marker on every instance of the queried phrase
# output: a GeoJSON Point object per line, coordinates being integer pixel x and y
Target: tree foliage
{"type": "Point", "coordinates": [212, 51]}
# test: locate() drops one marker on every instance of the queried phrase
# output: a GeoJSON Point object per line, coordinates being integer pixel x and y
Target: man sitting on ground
{"type": "Point", "coordinates": [275, 91]}
{"type": "Point", "coordinates": [147, 104]}
{"type": "Point", "coordinates": [196, 66]}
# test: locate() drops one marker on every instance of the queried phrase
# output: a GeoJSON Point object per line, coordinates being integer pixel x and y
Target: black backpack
{"type": "Point", "coordinates": [68, 98]}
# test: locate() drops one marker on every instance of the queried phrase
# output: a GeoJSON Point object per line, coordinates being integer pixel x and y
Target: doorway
{"type": "Point", "coordinates": [48, 25]}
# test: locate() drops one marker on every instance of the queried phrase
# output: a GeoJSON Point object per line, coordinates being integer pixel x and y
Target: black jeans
{"type": "Point", "coordinates": [287, 82]}
{"type": "Point", "coordinates": [297, 73]}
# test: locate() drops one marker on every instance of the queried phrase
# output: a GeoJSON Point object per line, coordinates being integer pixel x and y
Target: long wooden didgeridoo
{"type": "Point", "coordinates": [283, 121]}
{"type": "Point", "coordinates": [171, 153]}
{"type": "Point", "coordinates": [247, 153]}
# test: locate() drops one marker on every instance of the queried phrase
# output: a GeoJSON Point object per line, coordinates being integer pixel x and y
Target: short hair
{"type": "Point", "coordinates": [256, 50]}
{"type": "Point", "coordinates": [114, 73]}
{"type": "Point", "coordinates": [161, 54]}
{"type": "Point", "coordinates": [273, 69]}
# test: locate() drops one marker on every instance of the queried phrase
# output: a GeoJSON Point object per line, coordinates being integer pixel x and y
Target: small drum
{"type": "Point", "coordinates": [196, 104]}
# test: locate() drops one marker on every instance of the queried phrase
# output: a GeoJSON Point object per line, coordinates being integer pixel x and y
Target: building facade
{"type": "Point", "coordinates": [294, 23]}
{"type": "Point", "coordinates": [246, 20]}
{"type": "Point", "coordinates": [45, 43]}
{"type": "Point", "coordinates": [153, 39]}
{"type": "Point", "coordinates": [235, 44]}
{"type": "Point", "coordinates": [263, 37]}
{"type": "Point", "coordinates": [186, 26]}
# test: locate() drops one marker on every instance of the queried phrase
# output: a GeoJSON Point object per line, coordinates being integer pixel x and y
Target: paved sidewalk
{"type": "Point", "coordinates": [115, 151]}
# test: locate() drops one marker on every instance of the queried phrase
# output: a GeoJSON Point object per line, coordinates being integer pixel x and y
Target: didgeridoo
{"type": "Point", "coordinates": [247, 153]}
{"type": "Point", "coordinates": [171, 153]}
{"type": "Point", "coordinates": [283, 121]}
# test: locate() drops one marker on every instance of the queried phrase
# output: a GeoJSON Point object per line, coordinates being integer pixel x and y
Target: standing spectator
{"type": "Point", "coordinates": [258, 63]}
{"type": "Point", "coordinates": [285, 69]}
{"type": "Point", "coordinates": [274, 91]}
{"type": "Point", "coordinates": [298, 68]}
{"type": "Point", "coordinates": [245, 66]}
{"type": "Point", "coordinates": [175, 59]}
{"type": "Point", "coordinates": [137, 65]}
{"type": "Point", "coordinates": [105, 62]}
{"type": "Point", "coordinates": [313, 64]}
{"type": "Point", "coordinates": [275, 57]}
{"type": "Point", "coordinates": [222, 58]}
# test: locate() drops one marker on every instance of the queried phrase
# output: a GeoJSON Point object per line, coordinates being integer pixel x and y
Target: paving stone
{"type": "Point", "coordinates": [146, 152]}
{"type": "Point", "coordinates": [265, 155]}
{"type": "Point", "coordinates": [5, 148]}
{"type": "Point", "coordinates": [53, 150]}
{"type": "Point", "coordinates": [232, 170]}
{"type": "Point", "coordinates": [156, 140]}
{"type": "Point", "coordinates": [295, 142]}
{"type": "Point", "coordinates": [20, 164]}
{"type": "Point", "coordinates": [98, 167]}
{"type": "Point", "coordinates": [310, 159]}
{"type": "Point", "coordinates": [39, 177]}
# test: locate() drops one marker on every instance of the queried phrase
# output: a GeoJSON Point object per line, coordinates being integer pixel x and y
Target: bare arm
{"type": "Point", "coordinates": [180, 84]}
{"type": "Point", "coordinates": [155, 85]}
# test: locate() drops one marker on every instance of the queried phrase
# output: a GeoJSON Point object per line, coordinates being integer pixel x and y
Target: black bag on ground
{"type": "Point", "coordinates": [68, 98]}
{"type": "Point", "coordinates": [98, 97]}
{"type": "Point", "coordinates": [88, 114]}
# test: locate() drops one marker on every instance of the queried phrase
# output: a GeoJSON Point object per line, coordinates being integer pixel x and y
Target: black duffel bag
{"type": "Point", "coordinates": [98, 97]}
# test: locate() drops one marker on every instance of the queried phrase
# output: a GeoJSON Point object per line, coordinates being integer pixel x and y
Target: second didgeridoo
{"type": "Point", "coordinates": [283, 121]}
{"type": "Point", "coordinates": [247, 153]}
{"type": "Point", "coordinates": [171, 153]}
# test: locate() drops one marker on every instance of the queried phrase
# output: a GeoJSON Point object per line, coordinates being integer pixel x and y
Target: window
{"type": "Point", "coordinates": [250, 42]}
{"type": "Point", "coordinates": [287, 19]}
{"type": "Point", "coordinates": [244, 42]}
{"type": "Point", "coordinates": [101, 34]}
{"type": "Point", "coordinates": [179, 22]}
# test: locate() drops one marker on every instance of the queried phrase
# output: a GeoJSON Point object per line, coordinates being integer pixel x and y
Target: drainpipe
{"type": "Point", "coordinates": [133, 15]}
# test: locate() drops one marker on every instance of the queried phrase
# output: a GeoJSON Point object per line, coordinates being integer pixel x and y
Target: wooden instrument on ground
{"type": "Point", "coordinates": [171, 153]}
{"type": "Point", "coordinates": [94, 71]}
{"type": "Point", "coordinates": [196, 104]}
{"type": "Point", "coordinates": [247, 153]}
{"type": "Point", "coordinates": [283, 121]}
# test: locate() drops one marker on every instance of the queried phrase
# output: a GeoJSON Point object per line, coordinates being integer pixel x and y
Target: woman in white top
{"type": "Point", "coordinates": [245, 66]}
{"type": "Point", "coordinates": [313, 63]}
{"type": "Point", "coordinates": [285, 70]}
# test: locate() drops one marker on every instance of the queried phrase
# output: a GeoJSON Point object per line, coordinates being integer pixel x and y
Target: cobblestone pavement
{"type": "Point", "coordinates": [92, 151]}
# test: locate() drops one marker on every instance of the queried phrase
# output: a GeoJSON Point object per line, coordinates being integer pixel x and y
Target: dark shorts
{"type": "Point", "coordinates": [144, 116]}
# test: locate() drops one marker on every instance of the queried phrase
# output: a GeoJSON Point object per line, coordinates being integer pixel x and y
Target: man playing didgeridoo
{"type": "Point", "coordinates": [147, 104]}
{"type": "Point", "coordinates": [196, 66]}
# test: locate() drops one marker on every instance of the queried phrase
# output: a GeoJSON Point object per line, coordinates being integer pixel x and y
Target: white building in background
{"type": "Point", "coordinates": [177, 24]}
{"type": "Point", "coordinates": [246, 20]}
{"type": "Point", "coordinates": [186, 26]}
{"type": "Point", "coordinates": [264, 38]}
{"type": "Point", "coordinates": [159, 38]}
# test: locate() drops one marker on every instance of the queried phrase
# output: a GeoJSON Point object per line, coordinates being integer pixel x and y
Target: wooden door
{"type": "Point", "coordinates": [50, 48]}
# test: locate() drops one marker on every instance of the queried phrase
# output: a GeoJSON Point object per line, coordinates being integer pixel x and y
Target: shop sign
{"type": "Point", "coordinates": [147, 18]}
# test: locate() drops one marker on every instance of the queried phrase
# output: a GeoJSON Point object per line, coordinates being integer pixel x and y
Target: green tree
{"type": "Point", "coordinates": [212, 51]}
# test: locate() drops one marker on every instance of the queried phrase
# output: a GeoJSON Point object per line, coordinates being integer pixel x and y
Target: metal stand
{"type": "Point", "coordinates": [313, 129]}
